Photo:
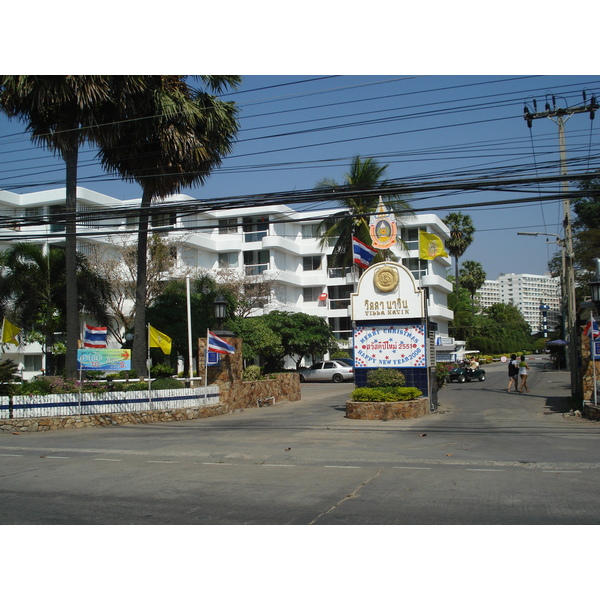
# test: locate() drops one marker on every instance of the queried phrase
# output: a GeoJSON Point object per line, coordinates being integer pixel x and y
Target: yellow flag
{"type": "Point", "coordinates": [430, 246]}
{"type": "Point", "coordinates": [159, 340]}
{"type": "Point", "coordinates": [9, 333]}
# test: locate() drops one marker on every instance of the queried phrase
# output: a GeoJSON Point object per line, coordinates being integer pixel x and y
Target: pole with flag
{"type": "Point", "coordinates": [9, 332]}
{"type": "Point", "coordinates": [156, 339]}
{"type": "Point", "coordinates": [591, 330]}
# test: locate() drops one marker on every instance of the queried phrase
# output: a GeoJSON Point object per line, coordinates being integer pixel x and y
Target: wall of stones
{"type": "Point", "coordinates": [388, 411]}
{"type": "Point", "coordinates": [233, 396]}
{"type": "Point", "coordinates": [587, 366]}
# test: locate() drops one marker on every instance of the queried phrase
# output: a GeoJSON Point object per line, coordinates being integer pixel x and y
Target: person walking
{"type": "Point", "coordinates": [523, 368]}
{"type": "Point", "coordinates": [513, 373]}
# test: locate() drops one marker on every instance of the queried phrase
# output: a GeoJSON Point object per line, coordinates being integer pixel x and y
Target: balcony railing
{"type": "Point", "coordinates": [256, 269]}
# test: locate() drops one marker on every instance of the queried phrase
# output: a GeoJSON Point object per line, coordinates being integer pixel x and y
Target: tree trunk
{"type": "Point", "coordinates": [72, 307]}
{"type": "Point", "coordinates": [140, 337]}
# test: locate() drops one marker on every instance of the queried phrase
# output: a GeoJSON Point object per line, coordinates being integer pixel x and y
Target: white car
{"type": "Point", "coordinates": [328, 370]}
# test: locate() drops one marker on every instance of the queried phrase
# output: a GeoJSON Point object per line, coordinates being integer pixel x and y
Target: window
{"type": "Point", "coordinates": [255, 228]}
{"type": "Point", "coordinates": [85, 216]}
{"type": "Point", "coordinates": [228, 259]}
{"type": "Point", "coordinates": [256, 261]}
{"type": "Point", "coordinates": [164, 220]}
{"type": "Point", "coordinates": [417, 267]}
{"type": "Point", "coordinates": [411, 238]}
{"type": "Point", "coordinates": [227, 226]}
{"type": "Point", "coordinates": [311, 263]}
{"type": "Point", "coordinates": [310, 230]}
{"type": "Point", "coordinates": [311, 294]}
{"type": "Point", "coordinates": [57, 219]}
{"type": "Point", "coordinates": [32, 362]}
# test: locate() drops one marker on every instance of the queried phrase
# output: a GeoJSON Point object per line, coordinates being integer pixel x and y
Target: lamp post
{"type": "Point", "coordinates": [220, 309]}
{"type": "Point", "coordinates": [568, 294]}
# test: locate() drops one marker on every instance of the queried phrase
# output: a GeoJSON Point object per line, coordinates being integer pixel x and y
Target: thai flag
{"type": "Point", "coordinates": [362, 253]}
{"type": "Point", "coordinates": [591, 329]}
{"type": "Point", "coordinates": [94, 337]}
{"type": "Point", "coordinates": [216, 344]}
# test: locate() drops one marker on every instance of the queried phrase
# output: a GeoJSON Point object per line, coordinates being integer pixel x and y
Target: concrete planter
{"type": "Point", "coordinates": [388, 411]}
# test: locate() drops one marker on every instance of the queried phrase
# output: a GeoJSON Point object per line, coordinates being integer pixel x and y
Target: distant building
{"type": "Point", "coordinates": [527, 293]}
{"type": "Point", "coordinates": [277, 241]}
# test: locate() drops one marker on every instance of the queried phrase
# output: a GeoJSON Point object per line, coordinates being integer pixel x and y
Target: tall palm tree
{"type": "Point", "coordinates": [63, 112]}
{"type": "Point", "coordinates": [472, 278]}
{"type": "Point", "coordinates": [353, 220]}
{"type": "Point", "coordinates": [461, 236]}
{"type": "Point", "coordinates": [33, 288]}
{"type": "Point", "coordinates": [170, 136]}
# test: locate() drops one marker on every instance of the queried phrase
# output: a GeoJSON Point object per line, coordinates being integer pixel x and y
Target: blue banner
{"type": "Point", "coordinates": [103, 360]}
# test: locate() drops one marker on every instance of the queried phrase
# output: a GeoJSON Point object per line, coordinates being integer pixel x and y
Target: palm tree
{"type": "Point", "coordinates": [472, 278]}
{"type": "Point", "coordinates": [364, 174]}
{"type": "Point", "coordinates": [33, 288]}
{"type": "Point", "coordinates": [63, 112]}
{"type": "Point", "coordinates": [170, 136]}
{"type": "Point", "coordinates": [461, 236]}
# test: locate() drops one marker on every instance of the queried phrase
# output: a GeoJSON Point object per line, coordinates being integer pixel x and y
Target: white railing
{"type": "Point", "coordinates": [61, 405]}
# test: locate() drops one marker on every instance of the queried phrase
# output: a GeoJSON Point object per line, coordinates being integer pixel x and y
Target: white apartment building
{"type": "Point", "coordinates": [526, 292]}
{"type": "Point", "coordinates": [276, 240]}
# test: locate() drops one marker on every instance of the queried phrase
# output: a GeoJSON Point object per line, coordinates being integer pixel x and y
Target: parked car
{"type": "Point", "coordinates": [462, 374]}
{"type": "Point", "coordinates": [348, 361]}
{"type": "Point", "coordinates": [328, 370]}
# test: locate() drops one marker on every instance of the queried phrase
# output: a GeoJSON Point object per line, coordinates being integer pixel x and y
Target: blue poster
{"type": "Point", "coordinates": [103, 360]}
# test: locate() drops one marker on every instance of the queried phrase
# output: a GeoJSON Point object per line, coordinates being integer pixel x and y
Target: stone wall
{"type": "Point", "coordinates": [388, 411]}
{"type": "Point", "coordinates": [107, 420]}
{"type": "Point", "coordinates": [587, 372]}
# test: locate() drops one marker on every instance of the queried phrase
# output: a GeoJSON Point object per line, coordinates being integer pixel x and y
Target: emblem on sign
{"type": "Point", "coordinates": [386, 279]}
{"type": "Point", "coordinates": [382, 227]}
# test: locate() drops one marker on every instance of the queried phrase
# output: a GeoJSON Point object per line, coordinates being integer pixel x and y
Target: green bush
{"type": "Point", "coordinates": [385, 394]}
{"type": "Point", "coordinates": [167, 384]}
{"type": "Point", "coordinates": [161, 370]}
{"type": "Point", "coordinates": [385, 378]}
{"type": "Point", "coordinates": [252, 373]}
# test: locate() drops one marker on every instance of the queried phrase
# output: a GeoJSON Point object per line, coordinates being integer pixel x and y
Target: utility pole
{"type": "Point", "coordinates": [559, 116]}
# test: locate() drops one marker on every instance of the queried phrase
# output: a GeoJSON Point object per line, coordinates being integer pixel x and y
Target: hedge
{"type": "Point", "coordinates": [385, 394]}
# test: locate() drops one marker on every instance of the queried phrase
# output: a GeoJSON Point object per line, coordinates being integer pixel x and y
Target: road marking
{"type": "Point", "coordinates": [340, 467]}
{"type": "Point", "coordinates": [60, 457]}
{"type": "Point", "coordinates": [213, 463]}
{"type": "Point", "coordinates": [561, 471]}
{"type": "Point", "coordinates": [20, 455]}
{"type": "Point", "coordinates": [110, 459]}
{"type": "Point", "coordinates": [271, 465]}
{"type": "Point", "coordinates": [489, 470]}
{"type": "Point", "coordinates": [415, 468]}
{"type": "Point", "coordinates": [168, 462]}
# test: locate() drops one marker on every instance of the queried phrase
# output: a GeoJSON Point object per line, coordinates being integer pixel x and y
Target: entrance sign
{"type": "Point", "coordinates": [387, 291]}
{"type": "Point", "coordinates": [377, 346]}
{"type": "Point", "coordinates": [103, 360]}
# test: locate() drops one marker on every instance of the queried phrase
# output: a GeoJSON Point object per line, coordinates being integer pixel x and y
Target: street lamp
{"type": "Point", "coordinates": [220, 304]}
{"type": "Point", "coordinates": [220, 308]}
{"type": "Point", "coordinates": [595, 285]}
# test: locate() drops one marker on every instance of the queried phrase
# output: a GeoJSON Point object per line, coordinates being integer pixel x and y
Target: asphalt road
{"type": "Point", "coordinates": [486, 457]}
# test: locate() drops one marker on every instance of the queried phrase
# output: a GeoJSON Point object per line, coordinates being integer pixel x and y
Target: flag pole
{"type": "Point", "coordinates": [593, 359]}
{"type": "Point", "coordinates": [148, 362]}
{"type": "Point", "coordinates": [189, 327]}
{"type": "Point", "coordinates": [206, 360]}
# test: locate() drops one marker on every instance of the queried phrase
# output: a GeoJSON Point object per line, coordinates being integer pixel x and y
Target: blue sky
{"type": "Point", "coordinates": [296, 130]}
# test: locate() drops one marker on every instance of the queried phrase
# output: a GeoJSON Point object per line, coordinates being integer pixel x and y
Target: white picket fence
{"type": "Point", "coordinates": [63, 405]}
